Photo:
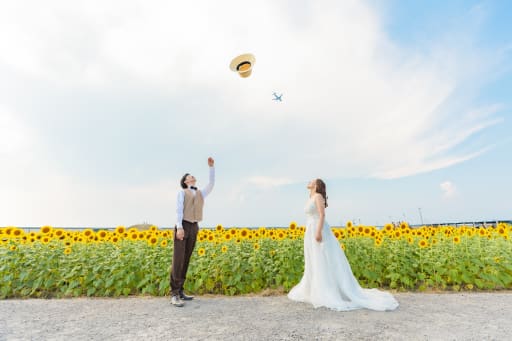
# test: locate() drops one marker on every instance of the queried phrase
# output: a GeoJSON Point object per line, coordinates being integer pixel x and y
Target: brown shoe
{"type": "Point", "coordinates": [176, 301]}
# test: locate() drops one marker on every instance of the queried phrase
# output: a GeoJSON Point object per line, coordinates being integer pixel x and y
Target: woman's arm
{"type": "Point", "coordinates": [320, 206]}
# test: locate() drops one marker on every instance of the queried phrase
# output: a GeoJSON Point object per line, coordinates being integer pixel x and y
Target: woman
{"type": "Point", "coordinates": [328, 280]}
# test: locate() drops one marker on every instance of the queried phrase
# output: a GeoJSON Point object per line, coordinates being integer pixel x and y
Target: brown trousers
{"type": "Point", "coordinates": [182, 251]}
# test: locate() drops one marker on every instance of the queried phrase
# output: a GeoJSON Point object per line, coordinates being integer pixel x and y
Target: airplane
{"type": "Point", "coordinates": [277, 98]}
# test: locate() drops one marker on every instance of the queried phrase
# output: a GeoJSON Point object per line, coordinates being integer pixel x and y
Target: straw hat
{"type": "Point", "coordinates": [243, 64]}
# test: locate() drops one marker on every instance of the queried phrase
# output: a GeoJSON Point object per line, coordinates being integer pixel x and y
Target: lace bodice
{"type": "Point", "coordinates": [310, 209]}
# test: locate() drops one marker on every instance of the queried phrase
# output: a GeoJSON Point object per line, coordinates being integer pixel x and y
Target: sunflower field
{"type": "Point", "coordinates": [56, 262]}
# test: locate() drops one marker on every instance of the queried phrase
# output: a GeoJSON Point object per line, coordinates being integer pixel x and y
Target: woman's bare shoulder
{"type": "Point", "coordinates": [318, 196]}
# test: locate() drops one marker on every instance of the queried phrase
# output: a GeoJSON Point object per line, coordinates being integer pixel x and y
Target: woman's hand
{"type": "Point", "coordinates": [318, 236]}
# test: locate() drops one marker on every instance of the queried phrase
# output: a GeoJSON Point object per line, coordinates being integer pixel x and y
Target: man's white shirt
{"type": "Point", "coordinates": [181, 198]}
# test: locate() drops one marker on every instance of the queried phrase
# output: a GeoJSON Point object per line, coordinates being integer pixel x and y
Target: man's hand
{"type": "Point", "coordinates": [180, 234]}
{"type": "Point", "coordinates": [210, 162]}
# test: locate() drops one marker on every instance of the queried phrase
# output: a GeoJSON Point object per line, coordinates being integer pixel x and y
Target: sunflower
{"type": "Point", "coordinates": [133, 236]}
{"type": "Point", "coordinates": [482, 232]}
{"type": "Point", "coordinates": [378, 241]}
{"type": "Point", "coordinates": [120, 229]}
{"type": "Point", "coordinates": [293, 226]}
{"type": "Point", "coordinates": [46, 229]}
{"type": "Point", "coordinates": [349, 224]}
{"type": "Point", "coordinates": [13, 248]}
{"type": "Point", "coordinates": [233, 232]}
{"type": "Point", "coordinates": [201, 252]}
{"type": "Point", "coordinates": [456, 239]}
{"type": "Point", "coordinates": [423, 243]}
{"type": "Point", "coordinates": [114, 239]}
{"type": "Point", "coordinates": [88, 232]}
{"type": "Point", "coordinates": [224, 248]}
{"type": "Point", "coordinates": [281, 235]}
{"type": "Point", "coordinates": [152, 241]}
{"type": "Point", "coordinates": [163, 243]}
{"type": "Point", "coordinates": [102, 234]}
{"type": "Point", "coordinates": [67, 251]}
{"type": "Point", "coordinates": [227, 236]}
{"type": "Point", "coordinates": [244, 233]}
{"type": "Point", "coordinates": [337, 234]}
{"type": "Point", "coordinates": [404, 225]}
{"type": "Point", "coordinates": [256, 246]}
{"type": "Point", "coordinates": [342, 246]}
{"type": "Point", "coordinates": [219, 228]}
{"type": "Point", "coordinates": [410, 240]}
{"type": "Point", "coordinates": [153, 228]}
{"type": "Point", "coordinates": [272, 252]}
{"type": "Point", "coordinates": [45, 240]}
{"type": "Point", "coordinates": [211, 237]}
{"type": "Point", "coordinates": [397, 234]}
{"type": "Point", "coordinates": [388, 227]}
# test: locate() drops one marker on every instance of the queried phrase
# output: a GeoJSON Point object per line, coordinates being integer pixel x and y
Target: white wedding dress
{"type": "Point", "coordinates": [328, 280]}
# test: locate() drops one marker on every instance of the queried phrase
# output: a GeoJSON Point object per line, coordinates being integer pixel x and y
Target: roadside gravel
{"type": "Point", "coordinates": [421, 316]}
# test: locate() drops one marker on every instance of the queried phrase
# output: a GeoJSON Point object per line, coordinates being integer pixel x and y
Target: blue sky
{"type": "Point", "coordinates": [398, 105]}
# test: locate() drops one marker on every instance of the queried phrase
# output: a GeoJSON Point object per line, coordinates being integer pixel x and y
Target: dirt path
{"type": "Point", "coordinates": [445, 316]}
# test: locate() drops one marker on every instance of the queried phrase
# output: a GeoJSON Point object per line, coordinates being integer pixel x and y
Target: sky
{"type": "Point", "coordinates": [403, 108]}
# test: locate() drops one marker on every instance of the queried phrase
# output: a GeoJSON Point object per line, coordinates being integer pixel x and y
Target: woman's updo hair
{"type": "Point", "coordinates": [320, 188]}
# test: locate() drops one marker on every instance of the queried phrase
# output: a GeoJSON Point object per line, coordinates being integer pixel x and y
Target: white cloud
{"type": "Point", "coordinates": [268, 182]}
{"type": "Point", "coordinates": [355, 103]}
{"type": "Point", "coordinates": [13, 135]}
{"type": "Point", "coordinates": [448, 189]}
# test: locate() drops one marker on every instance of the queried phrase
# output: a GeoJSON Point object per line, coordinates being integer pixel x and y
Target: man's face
{"type": "Point", "coordinates": [190, 180]}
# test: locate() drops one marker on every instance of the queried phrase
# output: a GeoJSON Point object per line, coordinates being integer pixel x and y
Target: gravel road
{"type": "Point", "coordinates": [421, 316]}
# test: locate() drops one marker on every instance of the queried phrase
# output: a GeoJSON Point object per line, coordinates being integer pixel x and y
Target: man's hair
{"type": "Point", "coordinates": [182, 182]}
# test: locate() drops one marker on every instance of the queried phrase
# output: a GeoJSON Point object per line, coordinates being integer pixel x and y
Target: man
{"type": "Point", "coordinates": [189, 212]}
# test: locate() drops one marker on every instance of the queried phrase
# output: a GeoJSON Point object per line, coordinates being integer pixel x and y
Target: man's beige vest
{"type": "Point", "coordinates": [193, 206]}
